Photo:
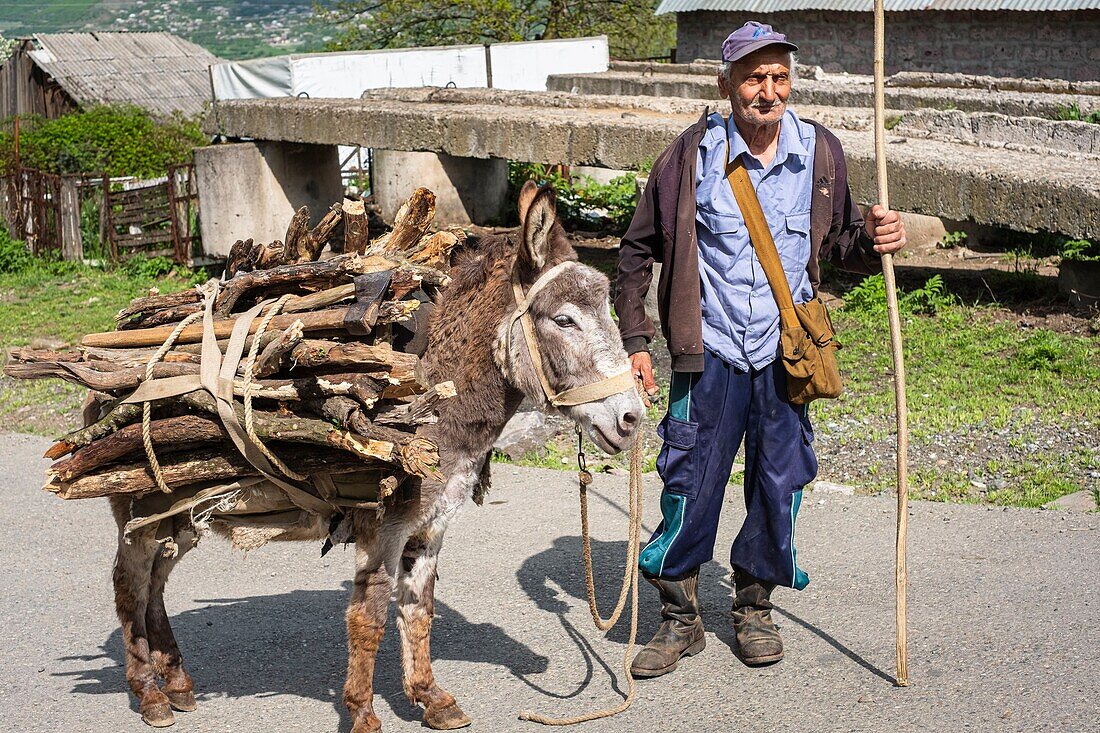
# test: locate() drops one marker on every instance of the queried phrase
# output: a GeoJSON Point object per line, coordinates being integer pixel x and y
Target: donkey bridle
{"type": "Point", "coordinates": [585, 393]}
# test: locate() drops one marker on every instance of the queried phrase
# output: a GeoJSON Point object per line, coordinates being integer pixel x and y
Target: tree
{"type": "Point", "coordinates": [633, 31]}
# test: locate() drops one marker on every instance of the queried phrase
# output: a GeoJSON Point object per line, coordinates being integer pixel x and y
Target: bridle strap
{"type": "Point", "coordinates": [585, 393]}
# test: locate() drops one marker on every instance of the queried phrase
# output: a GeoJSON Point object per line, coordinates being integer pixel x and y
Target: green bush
{"type": "Point", "coordinates": [951, 240]}
{"type": "Point", "coordinates": [869, 297]}
{"type": "Point", "coordinates": [1081, 249]}
{"type": "Point", "coordinates": [14, 256]}
{"type": "Point", "coordinates": [112, 139]}
{"type": "Point", "coordinates": [16, 259]}
{"type": "Point", "coordinates": [582, 202]}
{"type": "Point", "coordinates": [1072, 113]}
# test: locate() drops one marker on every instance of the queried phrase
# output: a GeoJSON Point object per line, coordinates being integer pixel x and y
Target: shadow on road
{"type": "Point", "coordinates": [554, 580]}
{"type": "Point", "coordinates": [294, 644]}
{"type": "Point", "coordinates": [835, 644]}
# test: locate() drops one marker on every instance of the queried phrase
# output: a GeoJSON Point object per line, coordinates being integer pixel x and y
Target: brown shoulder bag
{"type": "Point", "coordinates": [805, 330]}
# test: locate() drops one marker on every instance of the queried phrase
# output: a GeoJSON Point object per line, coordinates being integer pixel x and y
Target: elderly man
{"type": "Point", "coordinates": [721, 322]}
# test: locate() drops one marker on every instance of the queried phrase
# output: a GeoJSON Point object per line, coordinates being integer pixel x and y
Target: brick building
{"type": "Point", "coordinates": [1055, 39]}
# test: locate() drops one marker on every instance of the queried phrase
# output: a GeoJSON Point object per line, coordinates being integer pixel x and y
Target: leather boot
{"type": "Point", "coordinates": [757, 636]}
{"type": "Point", "coordinates": [681, 631]}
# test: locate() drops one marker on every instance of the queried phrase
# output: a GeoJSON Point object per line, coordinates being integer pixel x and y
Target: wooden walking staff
{"type": "Point", "coordinates": [901, 579]}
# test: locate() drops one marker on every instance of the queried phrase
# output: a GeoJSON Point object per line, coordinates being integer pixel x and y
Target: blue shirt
{"type": "Point", "coordinates": [740, 317]}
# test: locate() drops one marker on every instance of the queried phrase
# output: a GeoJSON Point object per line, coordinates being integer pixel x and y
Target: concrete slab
{"type": "Point", "coordinates": [989, 129]}
{"type": "Point", "coordinates": [831, 92]}
{"type": "Point", "coordinates": [1018, 190]}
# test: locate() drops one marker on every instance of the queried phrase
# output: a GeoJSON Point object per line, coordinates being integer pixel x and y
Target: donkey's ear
{"type": "Point", "coordinates": [537, 226]}
{"type": "Point", "coordinates": [526, 196]}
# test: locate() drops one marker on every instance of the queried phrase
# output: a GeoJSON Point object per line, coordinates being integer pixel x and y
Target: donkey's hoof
{"type": "Point", "coordinates": [445, 718]}
{"type": "Point", "coordinates": [158, 714]}
{"type": "Point", "coordinates": [366, 724]}
{"type": "Point", "coordinates": [182, 701]}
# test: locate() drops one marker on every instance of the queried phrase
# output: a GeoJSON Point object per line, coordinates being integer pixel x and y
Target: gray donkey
{"type": "Point", "coordinates": [474, 342]}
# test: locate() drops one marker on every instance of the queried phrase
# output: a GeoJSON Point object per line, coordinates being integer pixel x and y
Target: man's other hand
{"type": "Point", "coordinates": [641, 366]}
{"type": "Point", "coordinates": [887, 229]}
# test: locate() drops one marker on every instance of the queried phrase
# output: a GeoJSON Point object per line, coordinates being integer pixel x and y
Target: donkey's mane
{"type": "Point", "coordinates": [474, 263]}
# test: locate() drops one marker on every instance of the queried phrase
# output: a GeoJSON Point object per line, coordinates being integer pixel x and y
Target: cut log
{"type": "Point", "coordinates": [356, 232]}
{"type": "Point", "coordinates": [150, 303]}
{"type": "Point", "coordinates": [412, 220]}
{"type": "Point", "coordinates": [159, 317]}
{"type": "Point", "coordinates": [285, 427]}
{"type": "Point", "coordinates": [195, 467]}
{"type": "Point", "coordinates": [239, 256]}
{"type": "Point", "coordinates": [434, 250]}
{"type": "Point", "coordinates": [138, 357]}
{"type": "Point", "coordinates": [314, 353]}
{"type": "Point", "coordinates": [272, 357]}
{"type": "Point", "coordinates": [28, 355]}
{"type": "Point", "coordinates": [308, 248]}
{"type": "Point", "coordinates": [330, 319]}
{"type": "Point", "coordinates": [421, 411]}
{"type": "Point", "coordinates": [297, 231]}
{"type": "Point", "coordinates": [121, 415]}
{"type": "Point", "coordinates": [173, 431]}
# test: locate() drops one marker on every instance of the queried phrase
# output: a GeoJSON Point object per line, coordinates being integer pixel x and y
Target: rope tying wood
{"type": "Point", "coordinates": [147, 407]}
{"type": "Point", "coordinates": [630, 586]}
{"type": "Point", "coordinates": [249, 425]}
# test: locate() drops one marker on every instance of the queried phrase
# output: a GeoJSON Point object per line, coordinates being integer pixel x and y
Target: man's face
{"type": "Point", "coordinates": [758, 86]}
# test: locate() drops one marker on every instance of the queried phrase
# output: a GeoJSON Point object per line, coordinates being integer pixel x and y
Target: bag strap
{"type": "Point", "coordinates": [761, 237]}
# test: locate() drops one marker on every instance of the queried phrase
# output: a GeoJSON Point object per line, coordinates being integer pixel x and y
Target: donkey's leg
{"type": "Point", "coordinates": [416, 607]}
{"type": "Point", "coordinates": [178, 687]}
{"type": "Point", "coordinates": [132, 580]}
{"type": "Point", "coordinates": [377, 555]}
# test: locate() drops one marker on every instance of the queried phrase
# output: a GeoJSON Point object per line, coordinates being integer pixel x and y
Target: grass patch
{"type": "Point", "coordinates": [997, 414]}
{"type": "Point", "coordinates": [56, 303]}
{"type": "Point", "coordinates": [963, 367]}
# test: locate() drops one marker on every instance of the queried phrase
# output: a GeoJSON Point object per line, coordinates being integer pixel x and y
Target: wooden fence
{"type": "Point", "coordinates": [124, 217]}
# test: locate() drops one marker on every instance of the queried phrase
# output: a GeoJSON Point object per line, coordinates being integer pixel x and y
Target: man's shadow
{"type": "Point", "coordinates": [295, 644]}
{"type": "Point", "coordinates": [554, 580]}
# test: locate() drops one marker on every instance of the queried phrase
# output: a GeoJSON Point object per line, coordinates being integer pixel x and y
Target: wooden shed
{"type": "Point", "coordinates": [52, 74]}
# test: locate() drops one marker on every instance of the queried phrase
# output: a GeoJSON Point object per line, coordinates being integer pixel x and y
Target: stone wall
{"type": "Point", "coordinates": [1058, 45]}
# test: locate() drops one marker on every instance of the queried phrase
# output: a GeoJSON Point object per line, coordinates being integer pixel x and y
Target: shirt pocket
{"type": "Point", "coordinates": [721, 223]}
{"type": "Point", "coordinates": [799, 224]}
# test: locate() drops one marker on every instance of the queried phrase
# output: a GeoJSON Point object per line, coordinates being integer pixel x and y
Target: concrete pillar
{"type": "Point", "coordinates": [467, 190]}
{"type": "Point", "coordinates": [251, 190]}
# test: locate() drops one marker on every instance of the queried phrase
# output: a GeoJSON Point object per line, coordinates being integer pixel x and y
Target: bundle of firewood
{"type": "Point", "coordinates": [333, 384]}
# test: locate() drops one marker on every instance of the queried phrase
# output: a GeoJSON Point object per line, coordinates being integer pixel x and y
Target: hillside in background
{"type": "Point", "coordinates": [232, 29]}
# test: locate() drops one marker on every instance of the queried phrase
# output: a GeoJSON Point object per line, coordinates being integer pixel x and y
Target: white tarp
{"type": "Point", "coordinates": [348, 74]}
{"type": "Point", "coordinates": [522, 65]}
{"type": "Point", "coordinates": [526, 65]}
{"type": "Point", "coordinates": [254, 79]}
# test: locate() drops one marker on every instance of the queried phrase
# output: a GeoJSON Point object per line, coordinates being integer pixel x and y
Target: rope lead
{"type": "Point", "coordinates": [629, 587]}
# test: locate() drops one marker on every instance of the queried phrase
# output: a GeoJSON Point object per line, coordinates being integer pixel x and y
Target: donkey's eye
{"type": "Point", "coordinates": [565, 322]}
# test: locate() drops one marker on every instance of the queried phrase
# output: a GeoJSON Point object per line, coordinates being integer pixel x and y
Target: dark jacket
{"type": "Point", "coordinates": [663, 230]}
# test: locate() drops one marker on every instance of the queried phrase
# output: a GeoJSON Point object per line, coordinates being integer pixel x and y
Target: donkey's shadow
{"type": "Point", "coordinates": [295, 644]}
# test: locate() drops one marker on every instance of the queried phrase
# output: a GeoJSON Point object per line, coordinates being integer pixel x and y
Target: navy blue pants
{"type": "Point", "coordinates": [710, 413]}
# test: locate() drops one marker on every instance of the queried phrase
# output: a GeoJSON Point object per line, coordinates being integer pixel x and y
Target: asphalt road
{"type": "Point", "coordinates": [1004, 612]}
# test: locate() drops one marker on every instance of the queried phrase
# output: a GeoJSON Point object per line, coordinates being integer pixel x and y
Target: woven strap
{"type": "Point", "coordinates": [583, 394]}
{"type": "Point", "coordinates": [216, 375]}
{"type": "Point", "coordinates": [761, 237]}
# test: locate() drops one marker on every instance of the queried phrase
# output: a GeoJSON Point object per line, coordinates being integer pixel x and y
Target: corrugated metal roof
{"type": "Point", "coordinates": [777, 6]}
{"type": "Point", "coordinates": [158, 71]}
